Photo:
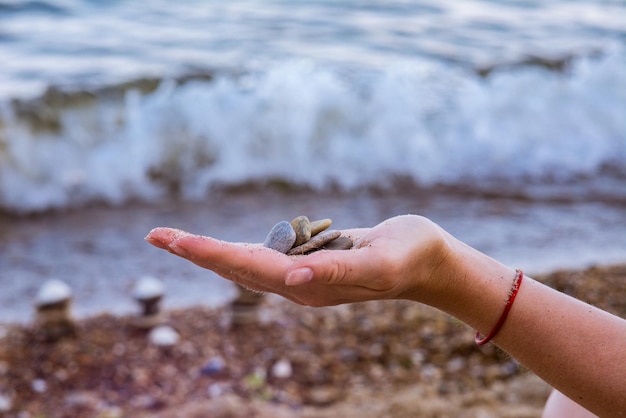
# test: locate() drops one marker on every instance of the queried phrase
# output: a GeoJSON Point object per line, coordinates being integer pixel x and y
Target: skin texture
{"type": "Point", "coordinates": [575, 347]}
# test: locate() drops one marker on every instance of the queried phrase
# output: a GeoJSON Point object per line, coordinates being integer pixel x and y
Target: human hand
{"type": "Point", "coordinates": [393, 260]}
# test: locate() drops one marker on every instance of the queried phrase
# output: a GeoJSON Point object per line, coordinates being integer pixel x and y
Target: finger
{"type": "Point", "coordinates": [207, 257]}
{"type": "Point", "coordinates": [163, 237]}
{"type": "Point", "coordinates": [243, 263]}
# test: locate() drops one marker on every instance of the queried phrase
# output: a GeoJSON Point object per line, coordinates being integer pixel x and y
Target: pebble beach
{"type": "Point", "coordinates": [374, 359]}
{"type": "Point", "coordinates": [100, 252]}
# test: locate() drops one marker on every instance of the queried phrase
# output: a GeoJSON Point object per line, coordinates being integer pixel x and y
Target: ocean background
{"type": "Point", "coordinates": [505, 122]}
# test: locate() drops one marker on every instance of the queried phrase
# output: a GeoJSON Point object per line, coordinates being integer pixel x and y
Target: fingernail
{"type": "Point", "coordinates": [156, 242]}
{"type": "Point", "coordinates": [178, 250]}
{"type": "Point", "coordinates": [299, 276]}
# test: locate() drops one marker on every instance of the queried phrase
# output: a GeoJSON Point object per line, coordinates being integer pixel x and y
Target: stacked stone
{"type": "Point", "coordinates": [245, 306]}
{"type": "Point", "coordinates": [301, 236]}
{"type": "Point", "coordinates": [148, 292]}
{"type": "Point", "coordinates": [53, 311]}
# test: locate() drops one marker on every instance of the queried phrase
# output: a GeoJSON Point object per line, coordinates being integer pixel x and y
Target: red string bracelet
{"type": "Point", "coordinates": [519, 276]}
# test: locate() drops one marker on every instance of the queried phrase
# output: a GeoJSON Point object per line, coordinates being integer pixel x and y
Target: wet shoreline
{"type": "Point", "coordinates": [100, 251]}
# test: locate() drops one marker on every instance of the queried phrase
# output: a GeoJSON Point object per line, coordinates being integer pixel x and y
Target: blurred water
{"type": "Point", "coordinates": [80, 42]}
{"type": "Point", "coordinates": [145, 99]}
{"type": "Point", "coordinates": [100, 252]}
{"type": "Point", "coordinates": [306, 125]}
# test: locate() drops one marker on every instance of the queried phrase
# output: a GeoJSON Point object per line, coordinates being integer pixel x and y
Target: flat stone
{"type": "Point", "coordinates": [323, 395]}
{"type": "Point", "coordinates": [245, 314]}
{"type": "Point", "coordinates": [341, 243]}
{"type": "Point", "coordinates": [319, 226]}
{"type": "Point", "coordinates": [302, 226]}
{"type": "Point", "coordinates": [281, 237]}
{"type": "Point", "coordinates": [282, 369]}
{"type": "Point", "coordinates": [214, 367]}
{"type": "Point", "coordinates": [247, 297]}
{"type": "Point", "coordinates": [316, 242]}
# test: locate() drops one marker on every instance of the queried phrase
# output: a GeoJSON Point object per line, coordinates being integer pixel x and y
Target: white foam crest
{"type": "Point", "coordinates": [312, 125]}
{"type": "Point", "coordinates": [534, 123]}
{"type": "Point", "coordinates": [420, 120]}
{"type": "Point", "coordinates": [90, 158]}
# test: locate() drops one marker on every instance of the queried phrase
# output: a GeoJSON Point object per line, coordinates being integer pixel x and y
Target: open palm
{"type": "Point", "coordinates": [387, 261]}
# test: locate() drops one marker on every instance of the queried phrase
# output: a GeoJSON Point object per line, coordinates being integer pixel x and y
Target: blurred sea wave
{"type": "Point", "coordinates": [120, 101]}
{"type": "Point", "coordinates": [415, 124]}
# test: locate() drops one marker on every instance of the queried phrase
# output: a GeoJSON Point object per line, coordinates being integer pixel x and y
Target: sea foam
{"type": "Point", "coordinates": [312, 125]}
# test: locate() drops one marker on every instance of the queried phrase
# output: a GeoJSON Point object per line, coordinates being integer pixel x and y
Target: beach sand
{"type": "Point", "coordinates": [375, 359]}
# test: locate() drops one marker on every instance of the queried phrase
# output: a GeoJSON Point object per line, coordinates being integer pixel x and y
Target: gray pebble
{"type": "Point", "coordinates": [281, 237]}
{"type": "Point", "coordinates": [302, 226]}
{"type": "Point", "coordinates": [316, 242]}
{"type": "Point", "coordinates": [341, 243]}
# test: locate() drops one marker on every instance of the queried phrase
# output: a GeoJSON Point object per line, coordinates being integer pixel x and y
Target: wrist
{"type": "Point", "coordinates": [465, 283]}
{"type": "Point", "coordinates": [429, 281]}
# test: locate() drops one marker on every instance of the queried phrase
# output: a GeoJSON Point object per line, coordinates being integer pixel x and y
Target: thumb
{"type": "Point", "coordinates": [350, 267]}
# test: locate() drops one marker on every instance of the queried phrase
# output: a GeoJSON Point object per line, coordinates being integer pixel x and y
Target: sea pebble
{"type": "Point", "coordinates": [215, 390]}
{"type": "Point", "coordinates": [164, 336]}
{"type": "Point", "coordinates": [213, 367]}
{"type": "Point", "coordinates": [52, 292]}
{"type": "Point", "coordinates": [282, 369]}
{"type": "Point", "coordinates": [6, 403]}
{"type": "Point", "coordinates": [341, 243]}
{"type": "Point", "coordinates": [302, 226]}
{"type": "Point", "coordinates": [82, 400]}
{"type": "Point", "coordinates": [111, 412]}
{"type": "Point", "coordinates": [320, 225]}
{"type": "Point", "coordinates": [39, 385]}
{"type": "Point", "coordinates": [281, 237]}
{"type": "Point", "coordinates": [323, 395]}
{"type": "Point", "coordinates": [316, 242]}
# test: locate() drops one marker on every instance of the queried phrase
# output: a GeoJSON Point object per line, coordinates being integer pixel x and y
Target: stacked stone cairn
{"type": "Point", "coordinates": [148, 292]}
{"type": "Point", "coordinates": [298, 237]}
{"type": "Point", "coordinates": [53, 311]}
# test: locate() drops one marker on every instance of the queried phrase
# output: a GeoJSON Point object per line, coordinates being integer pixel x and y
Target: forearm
{"type": "Point", "coordinates": [578, 349]}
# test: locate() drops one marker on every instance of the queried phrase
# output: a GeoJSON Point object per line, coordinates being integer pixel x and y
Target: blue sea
{"type": "Point", "coordinates": [505, 121]}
